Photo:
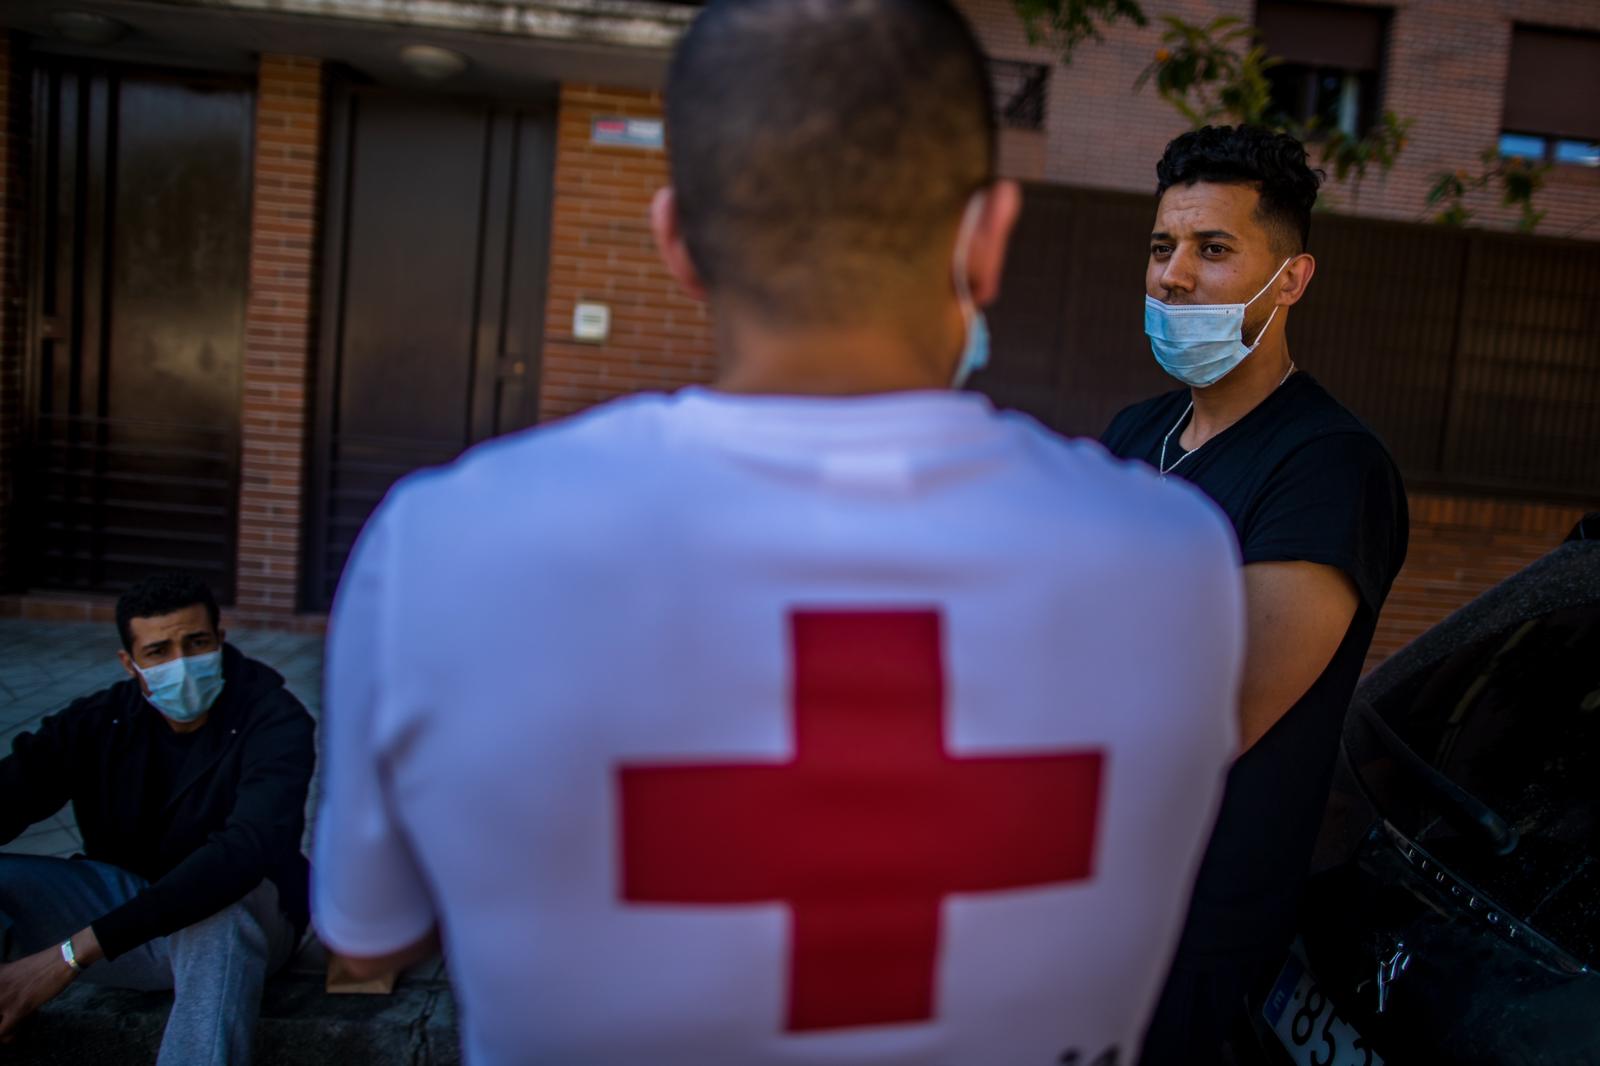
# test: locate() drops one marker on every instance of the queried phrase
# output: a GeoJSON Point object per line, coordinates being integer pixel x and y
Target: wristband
{"type": "Point", "coordinates": [69, 956]}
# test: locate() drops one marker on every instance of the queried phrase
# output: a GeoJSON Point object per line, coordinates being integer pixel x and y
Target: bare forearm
{"type": "Point", "coordinates": [1298, 615]}
{"type": "Point", "coordinates": [86, 947]}
{"type": "Point", "coordinates": [32, 981]}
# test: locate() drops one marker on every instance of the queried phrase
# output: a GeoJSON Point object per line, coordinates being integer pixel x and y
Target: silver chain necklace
{"type": "Point", "coordinates": [1161, 464]}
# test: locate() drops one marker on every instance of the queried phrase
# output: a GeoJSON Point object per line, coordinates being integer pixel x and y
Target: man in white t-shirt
{"type": "Point", "coordinates": [822, 716]}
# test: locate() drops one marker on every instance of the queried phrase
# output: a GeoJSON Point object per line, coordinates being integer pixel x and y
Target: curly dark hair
{"type": "Point", "coordinates": [1274, 163]}
{"type": "Point", "coordinates": [162, 594]}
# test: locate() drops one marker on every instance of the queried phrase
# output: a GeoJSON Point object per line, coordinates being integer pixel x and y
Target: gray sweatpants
{"type": "Point", "coordinates": [215, 968]}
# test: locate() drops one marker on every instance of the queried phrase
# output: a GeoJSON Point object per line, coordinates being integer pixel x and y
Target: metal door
{"type": "Point", "coordinates": [141, 220]}
{"type": "Point", "coordinates": [435, 245]}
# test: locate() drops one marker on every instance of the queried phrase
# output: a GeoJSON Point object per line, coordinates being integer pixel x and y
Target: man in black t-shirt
{"type": "Point", "coordinates": [1321, 517]}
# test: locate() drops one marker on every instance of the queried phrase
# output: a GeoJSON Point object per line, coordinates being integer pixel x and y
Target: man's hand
{"type": "Point", "coordinates": [28, 984]}
{"type": "Point", "coordinates": [1298, 616]}
{"type": "Point", "coordinates": [372, 967]}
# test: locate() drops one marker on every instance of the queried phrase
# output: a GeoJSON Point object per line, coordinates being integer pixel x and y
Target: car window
{"type": "Point", "coordinates": [1514, 720]}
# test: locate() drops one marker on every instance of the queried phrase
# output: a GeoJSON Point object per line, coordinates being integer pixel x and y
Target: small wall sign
{"type": "Point", "coordinates": [616, 132]}
{"type": "Point", "coordinates": [592, 323]}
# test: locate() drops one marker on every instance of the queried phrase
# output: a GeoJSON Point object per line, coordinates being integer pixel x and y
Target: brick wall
{"type": "Point", "coordinates": [279, 331]}
{"type": "Point", "coordinates": [1459, 548]}
{"type": "Point", "coordinates": [602, 252]}
{"type": "Point", "coordinates": [13, 302]}
{"type": "Point", "coordinates": [1100, 132]}
{"type": "Point", "coordinates": [1445, 69]}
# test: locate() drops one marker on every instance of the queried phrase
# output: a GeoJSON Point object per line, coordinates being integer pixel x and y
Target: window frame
{"type": "Point", "coordinates": [1369, 110]}
{"type": "Point", "coordinates": [1549, 148]}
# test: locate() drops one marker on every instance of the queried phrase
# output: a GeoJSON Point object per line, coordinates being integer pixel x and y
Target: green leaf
{"type": "Point", "coordinates": [1445, 184]}
{"type": "Point", "coordinates": [1065, 24]}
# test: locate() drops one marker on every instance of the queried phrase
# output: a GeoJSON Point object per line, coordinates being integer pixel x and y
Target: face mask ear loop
{"type": "Point", "coordinates": [1270, 280]}
{"type": "Point", "coordinates": [969, 228]}
{"type": "Point", "coordinates": [1257, 296]}
{"type": "Point", "coordinates": [1264, 326]}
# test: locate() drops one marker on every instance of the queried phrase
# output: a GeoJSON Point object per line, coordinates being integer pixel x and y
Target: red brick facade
{"type": "Point", "coordinates": [602, 252]}
{"type": "Point", "coordinates": [13, 302]}
{"type": "Point", "coordinates": [1099, 133]}
{"type": "Point", "coordinates": [1459, 548]}
{"type": "Point", "coordinates": [1445, 68]}
{"type": "Point", "coordinates": [279, 324]}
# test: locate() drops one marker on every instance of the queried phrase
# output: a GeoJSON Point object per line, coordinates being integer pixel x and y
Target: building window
{"type": "Point", "coordinates": [1552, 100]}
{"type": "Point", "coordinates": [1535, 148]}
{"type": "Point", "coordinates": [1020, 92]}
{"type": "Point", "coordinates": [1330, 62]}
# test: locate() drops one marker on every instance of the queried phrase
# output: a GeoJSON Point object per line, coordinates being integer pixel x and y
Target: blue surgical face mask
{"type": "Point", "coordinates": [184, 689]}
{"type": "Point", "coordinates": [975, 353]}
{"type": "Point", "coordinates": [1200, 344]}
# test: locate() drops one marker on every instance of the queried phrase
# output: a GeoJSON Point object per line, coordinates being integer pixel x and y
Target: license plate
{"type": "Point", "coordinates": [1307, 1021]}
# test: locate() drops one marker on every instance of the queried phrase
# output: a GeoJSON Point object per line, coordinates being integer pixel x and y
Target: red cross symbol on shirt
{"type": "Point", "coordinates": [866, 829]}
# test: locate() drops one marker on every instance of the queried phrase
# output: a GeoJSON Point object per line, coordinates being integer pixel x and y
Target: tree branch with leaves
{"type": "Point", "coordinates": [1212, 73]}
{"type": "Point", "coordinates": [1517, 179]}
{"type": "Point", "coordinates": [1065, 24]}
{"type": "Point", "coordinates": [1217, 73]}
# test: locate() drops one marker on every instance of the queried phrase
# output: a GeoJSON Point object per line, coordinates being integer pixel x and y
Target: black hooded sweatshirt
{"type": "Point", "coordinates": [204, 817]}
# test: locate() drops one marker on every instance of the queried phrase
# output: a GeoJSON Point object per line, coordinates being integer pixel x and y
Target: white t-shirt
{"type": "Point", "coordinates": [782, 730]}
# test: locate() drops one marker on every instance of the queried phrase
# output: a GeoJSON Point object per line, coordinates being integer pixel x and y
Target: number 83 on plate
{"type": "Point", "coordinates": [1307, 1022]}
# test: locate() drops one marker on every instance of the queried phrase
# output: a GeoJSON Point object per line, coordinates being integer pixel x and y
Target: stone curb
{"type": "Point", "coordinates": [301, 1025]}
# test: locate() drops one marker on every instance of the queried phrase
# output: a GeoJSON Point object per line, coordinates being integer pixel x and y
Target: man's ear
{"type": "Point", "coordinates": [986, 259]}
{"type": "Point", "coordinates": [1297, 276]}
{"type": "Point", "coordinates": [670, 244]}
{"type": "Point", "coordinates": [133, 672]}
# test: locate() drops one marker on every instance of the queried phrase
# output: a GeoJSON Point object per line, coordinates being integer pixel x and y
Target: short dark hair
{"type": "Point", "coordinates": [1274, 163]}
{"type": "Point", "coordinates": [816, 145]}
{"type": "Point", "coordinates": [162, 594]}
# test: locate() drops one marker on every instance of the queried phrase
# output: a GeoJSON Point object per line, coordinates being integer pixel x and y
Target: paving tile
{"type": "Point", "coordinates": [20, 679]}
{"type": "Point", "coordinates": [10, 730]}
{"type": "Point", "coordinates": [26, 711]}
{"type": "Point", "coordinates": [59, 695]}
{"type": "Point", "coordinates": [57, 842]}
{"type": "Point", "coordinates": [48, 825]}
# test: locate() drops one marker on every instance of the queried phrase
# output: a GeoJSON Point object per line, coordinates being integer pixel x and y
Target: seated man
{"type": "Point", "coordinates": [189, 784]}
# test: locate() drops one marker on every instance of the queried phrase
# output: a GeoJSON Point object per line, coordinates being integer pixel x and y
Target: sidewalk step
{"type": "Point", "coordinates": [301, 1025]}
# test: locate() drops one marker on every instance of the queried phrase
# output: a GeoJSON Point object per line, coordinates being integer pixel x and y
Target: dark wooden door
{"type": "Point", "coordinates": [140, 263]}
{"type": "Point", "coordinates": [435, 246]}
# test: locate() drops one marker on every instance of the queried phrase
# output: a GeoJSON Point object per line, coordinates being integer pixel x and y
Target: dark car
{"type": "Point", "coordinates": [1456, 914]}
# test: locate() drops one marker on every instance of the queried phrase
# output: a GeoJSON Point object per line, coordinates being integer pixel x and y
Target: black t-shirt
{"type": "Point", "coordinates": [169, 757]}
{"type": "Point", "coordinates": [1301, 478]}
